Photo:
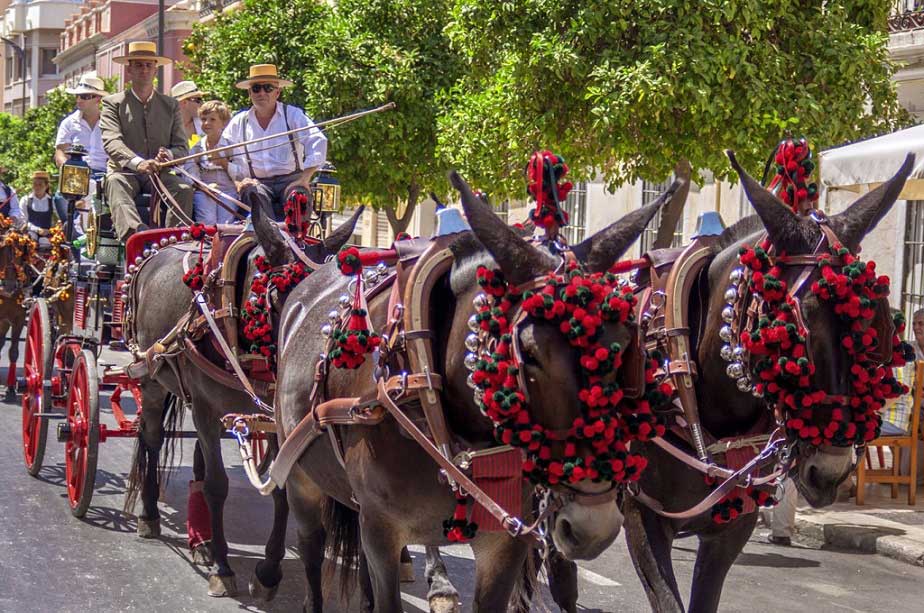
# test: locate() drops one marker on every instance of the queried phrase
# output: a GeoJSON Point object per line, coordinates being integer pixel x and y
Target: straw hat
{"type": "Point", "coordinates": [186, 89]}
{"type": "Point", "coordinates": [41, 174]}
{"type": "Point", "coordinates": [264, 73]}
{"type": "Point", "coordinates": [89, 85]}
{"type": "Point", "coordinates": [142, 50]}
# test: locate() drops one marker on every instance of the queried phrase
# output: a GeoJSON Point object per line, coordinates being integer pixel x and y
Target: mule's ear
{"type": "Point", "coordinates": [339, 237]}
{"type": "Point", "coordinates": [519, 261]}
{"type": "Point", "coordinates": [600, 251]}
{"type": "Point", "coordinates": [863, 215]}
{"type": "Point", "coordinates": [782, 224]}
{"type": "Point", "coordinates": [268, 234]}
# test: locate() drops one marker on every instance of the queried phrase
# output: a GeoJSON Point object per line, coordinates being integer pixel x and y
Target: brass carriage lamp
{"type": "Point", "coordinates": [75, 174]}
{"type": "Point", "coordinates": [326, 190]}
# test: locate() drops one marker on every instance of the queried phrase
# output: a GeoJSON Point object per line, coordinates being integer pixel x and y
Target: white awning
{"type": "Point", "coordinates": [865, 165]}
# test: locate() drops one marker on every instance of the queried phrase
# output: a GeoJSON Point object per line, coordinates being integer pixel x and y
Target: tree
{"type": "Point", "coordinates": [353, 55]}
{"type": "Point", "coordinates": [630, 87]}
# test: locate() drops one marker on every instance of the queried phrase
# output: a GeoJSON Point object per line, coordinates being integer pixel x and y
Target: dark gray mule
{"type": "Point", "coordinates": [389, 480]}
{"type": "Point", "coordinates": [165, 299]}
{"type": "Point", "coordinates": [725, 411]}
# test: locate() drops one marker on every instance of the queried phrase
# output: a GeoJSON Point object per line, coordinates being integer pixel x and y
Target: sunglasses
{"type": "Point", "coordinates": [196, 100]}
{"type": "Point", "coordinates": [87, 96]}
{"type": "Point", "coordinates": [267, 87]}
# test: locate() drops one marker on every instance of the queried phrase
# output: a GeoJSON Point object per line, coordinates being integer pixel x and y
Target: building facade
{"type": "Point", "coordinates": [31, 30]}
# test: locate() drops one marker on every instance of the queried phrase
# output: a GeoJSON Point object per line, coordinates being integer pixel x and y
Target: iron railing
{"type": "Point", "coordinates": [906, 15]}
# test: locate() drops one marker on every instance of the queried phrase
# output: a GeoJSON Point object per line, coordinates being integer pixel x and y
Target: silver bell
{"type": "Point", "coordinates": [728, 314]}
{"type": "Point", "coordinates": [479, 394]}
{"type": "Point", "coordinates": [735, 370]}
{"type": "Point", "coordinates": [473, 324]}
{"type": "Point", "coordinates": [381, 269]}
{"type": "Point", "coordinates": [726, 353]}
{"type": "Point", "coordinates": [370, 276]}
{"type": "Point", "coordinates": [131, 269]}
{"type": "Point", "coordinates": [163, 242]}
{"type": "Point", "coordinates": [739, 353]}
{"type": "Point", "coordinates": [480, 300]}
{"type": "Point", "coordinates": [127, 278]}
{"type": "Point", "coordinates": [146, 253]}
{"type": "Point", "coordinates": [731, 294]}
{"type": "Point", "coordinates": [138, 260]}
{"type": "Point", "coordinates": [327, 330]}
{"type": "Point", "coordinates": [726, 334]}
{"type": "Point", "coordinates": [172, 240]}
{"type": "Point", "coordinates": [185, 236]}
{"type": "Point", "coordinates": [736, 275]}
{"type": "Point", "coordinates": [322, 356]}
{"type": "Point", "coordinates": [471, 361]}
{"type": "Point", "coordinates": [744, 385]}
{"type": "Point", "coordinates": [333, 317]}
{"type": "Point", "coordinates": [472, 343]}
{"type": "Point", "coordinates": [124, 297]}
{"type": "Point", "coordinates": [343, 301]}
{"type": "Point", "coordinates": [470, 381]}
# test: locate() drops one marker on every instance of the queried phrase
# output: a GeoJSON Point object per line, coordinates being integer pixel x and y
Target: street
{"type": "Point", "coordinates": [53, 562]}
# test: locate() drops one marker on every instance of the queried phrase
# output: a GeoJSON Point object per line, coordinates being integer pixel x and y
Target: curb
{"type": "Point", "coordinates": [863, 539]}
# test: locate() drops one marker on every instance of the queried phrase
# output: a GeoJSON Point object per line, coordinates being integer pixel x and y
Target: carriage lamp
{"type": "Point", "coordinates": [75, 174]}
{"type": "Point", "coordinates": [326, 190]}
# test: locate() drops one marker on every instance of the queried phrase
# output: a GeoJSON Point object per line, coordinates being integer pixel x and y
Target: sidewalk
{"type": "Point", "coordinates": [883, 525]}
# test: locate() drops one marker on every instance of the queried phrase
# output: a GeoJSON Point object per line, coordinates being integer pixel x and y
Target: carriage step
{"type": "Point", "coordinates": [51, 415]}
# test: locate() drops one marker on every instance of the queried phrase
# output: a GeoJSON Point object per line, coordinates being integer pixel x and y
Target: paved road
{"type": "Point", "coordinates": [50, 561]}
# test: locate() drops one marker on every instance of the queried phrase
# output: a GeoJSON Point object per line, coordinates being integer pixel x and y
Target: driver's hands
{"type": "Point", "coordinates": [246, 182]}
{"type": "Point", "coordinates": [163, 155]}
{"type": "Point", "coordinates": [148, 167]}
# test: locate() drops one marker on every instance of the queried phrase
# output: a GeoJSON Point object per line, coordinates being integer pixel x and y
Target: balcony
{"type": "Point", "coordinates": [210, 7]}
{"type": "Point", "coordinates": [906, 15]}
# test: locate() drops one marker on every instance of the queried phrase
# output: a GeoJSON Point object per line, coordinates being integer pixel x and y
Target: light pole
{"type": "Point", "coordinates": [22, 66]}
{"type": "Point", "coordinates": [160, 44]}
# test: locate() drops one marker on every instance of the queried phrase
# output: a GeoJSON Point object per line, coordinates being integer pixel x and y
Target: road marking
{"type": "Point", "coordinates": [414, 601]}
{"type": "Point", "coordinates": [465, 552]}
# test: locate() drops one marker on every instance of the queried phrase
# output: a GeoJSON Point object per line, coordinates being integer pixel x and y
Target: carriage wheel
{"type": "Point", "coordinates": [82, 446]}
{"type": "Point", "coordinates": [37, 368]}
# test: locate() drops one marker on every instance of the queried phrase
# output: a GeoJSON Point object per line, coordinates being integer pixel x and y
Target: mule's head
{"type": "Point", "coordinates": [550, 374]}
{"type": "Point", "coordinates": [822, 468]}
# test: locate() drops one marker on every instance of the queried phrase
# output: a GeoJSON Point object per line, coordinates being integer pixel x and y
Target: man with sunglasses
{"type": "Point", "coordinates": [268, 170]}
{"type": "Point", "coordinates": [82, 126]}
{"type": "Point", "coordinates": [190, 99]}
{"type": "Point", "coordinates": [142, 129]}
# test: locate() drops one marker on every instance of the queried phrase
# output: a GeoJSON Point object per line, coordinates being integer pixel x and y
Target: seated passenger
{"type": "Point", "coordinates": [212, 169]}
{"type": "Point", "coordinates": [42, 210]}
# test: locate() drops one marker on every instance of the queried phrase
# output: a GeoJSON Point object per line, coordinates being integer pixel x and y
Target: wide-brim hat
{"type": "Point", "coordinates": [89, 85]}
{"type": "Point", "coordinates": [142, 50]}
{"type": "Point", "coordinates": [186, 89]}
{"type": "Point", "coordinates": [41, 174]}
{"type": "Point", "coordinates": [264, 73]}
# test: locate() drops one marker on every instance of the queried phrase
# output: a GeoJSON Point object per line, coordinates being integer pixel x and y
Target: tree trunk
{"type": "Point", "coordinates": [399, 224]}
{"type": "Point", "coordinates": [672, 212]}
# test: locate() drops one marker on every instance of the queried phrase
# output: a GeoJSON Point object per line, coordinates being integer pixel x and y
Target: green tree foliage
{"type": "Point", "coordinates": [629, 87]}
{"type": "Point", "coordinates": [352, 55]}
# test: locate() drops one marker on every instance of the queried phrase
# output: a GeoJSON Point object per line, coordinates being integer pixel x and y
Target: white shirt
{"type": "Point", "coordinates": [74, 130]}
{"type": "Point", "coordinates": [278, 160]}
{"type": "Point", "coordinates": [15, 211]}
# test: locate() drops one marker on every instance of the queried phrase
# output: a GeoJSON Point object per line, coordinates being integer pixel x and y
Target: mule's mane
{"type": "Point", "coordinates": [469, 254]}
{"type": "Point", "coordinates": [738, 230]}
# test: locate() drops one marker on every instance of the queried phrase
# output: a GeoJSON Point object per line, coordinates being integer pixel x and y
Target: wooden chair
{"type": "Point", "coordinates": [866, 474]}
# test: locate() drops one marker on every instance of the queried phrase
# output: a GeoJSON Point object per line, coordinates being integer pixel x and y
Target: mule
{"type": "Point", "coordinates": [726, 411]}
{"type": "Point", "coordinates": [389, 492]}
{"type": "Point", "coordinates": [166, 301]}
{"type": "Point", "coordinates": [13, 290]}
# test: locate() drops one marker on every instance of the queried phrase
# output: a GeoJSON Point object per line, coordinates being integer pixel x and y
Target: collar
{"type": "Point", "coordinates": [138, 98]}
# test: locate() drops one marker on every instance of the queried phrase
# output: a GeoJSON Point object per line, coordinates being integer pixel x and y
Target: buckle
{"type": "Point", "coordinates": [513, 526]}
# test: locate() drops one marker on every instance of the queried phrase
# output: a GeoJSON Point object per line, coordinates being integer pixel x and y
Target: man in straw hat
{"type": "Point", "coordinates": [190, 99]}
{"type": "Point", "coordinates": [269, 169]}
{"type": "Point", "coordinates": [142, 129]}
{"type": "Point", "coordinates": [82, 126]}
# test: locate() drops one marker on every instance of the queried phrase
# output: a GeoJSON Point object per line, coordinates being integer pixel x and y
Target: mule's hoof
{"type": "Point", "coordinates": [260, 592]}
{"type": "Point", "coordinates": [220, 587]}
{"type": "Point", "coordinates": [407, 572]}
{"type": "Point", "coordinates": [201, 555]}
{"type": "Point", "coordinates": [444, 604]}
{"type": "Point", "coordinates": [148, 528]}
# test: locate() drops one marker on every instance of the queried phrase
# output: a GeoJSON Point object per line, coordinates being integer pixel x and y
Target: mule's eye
{"type": "Point", "coordinates": [529, 359]}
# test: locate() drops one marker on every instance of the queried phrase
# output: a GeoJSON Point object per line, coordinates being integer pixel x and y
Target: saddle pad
{"type": "Point", "coordinates": [500, 475]}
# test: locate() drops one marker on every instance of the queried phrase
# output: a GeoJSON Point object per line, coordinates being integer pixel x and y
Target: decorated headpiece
{"type": "Point", "coordinates": [544, 173]}
{"type": "Point", "coordinates": [794, 166]}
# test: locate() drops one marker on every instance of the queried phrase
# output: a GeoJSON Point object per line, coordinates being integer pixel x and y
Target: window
{"type": "Point", "coordinates": [650, 193]}
{"type": "Point", "coordinates": [10, 67]}
{"type": "Point", "coordinates": [913, 273]}
{"type": "Point", "coordinates": [576, 207]}
{"type": "Point", "coordinates": [48, 66]}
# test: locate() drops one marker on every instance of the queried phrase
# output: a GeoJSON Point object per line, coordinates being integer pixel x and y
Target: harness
{"type": "Point", "coordinates": [291, 137]}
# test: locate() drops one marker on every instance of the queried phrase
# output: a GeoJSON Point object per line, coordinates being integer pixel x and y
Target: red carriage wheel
{"type": "Point", "coordinates": [37, 368]}
{"type": "Point", "coordinates": [82, 444]}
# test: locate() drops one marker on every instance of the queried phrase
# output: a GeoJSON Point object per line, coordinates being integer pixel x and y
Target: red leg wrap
{"type": "Point", "coordinates": [198, 519]}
